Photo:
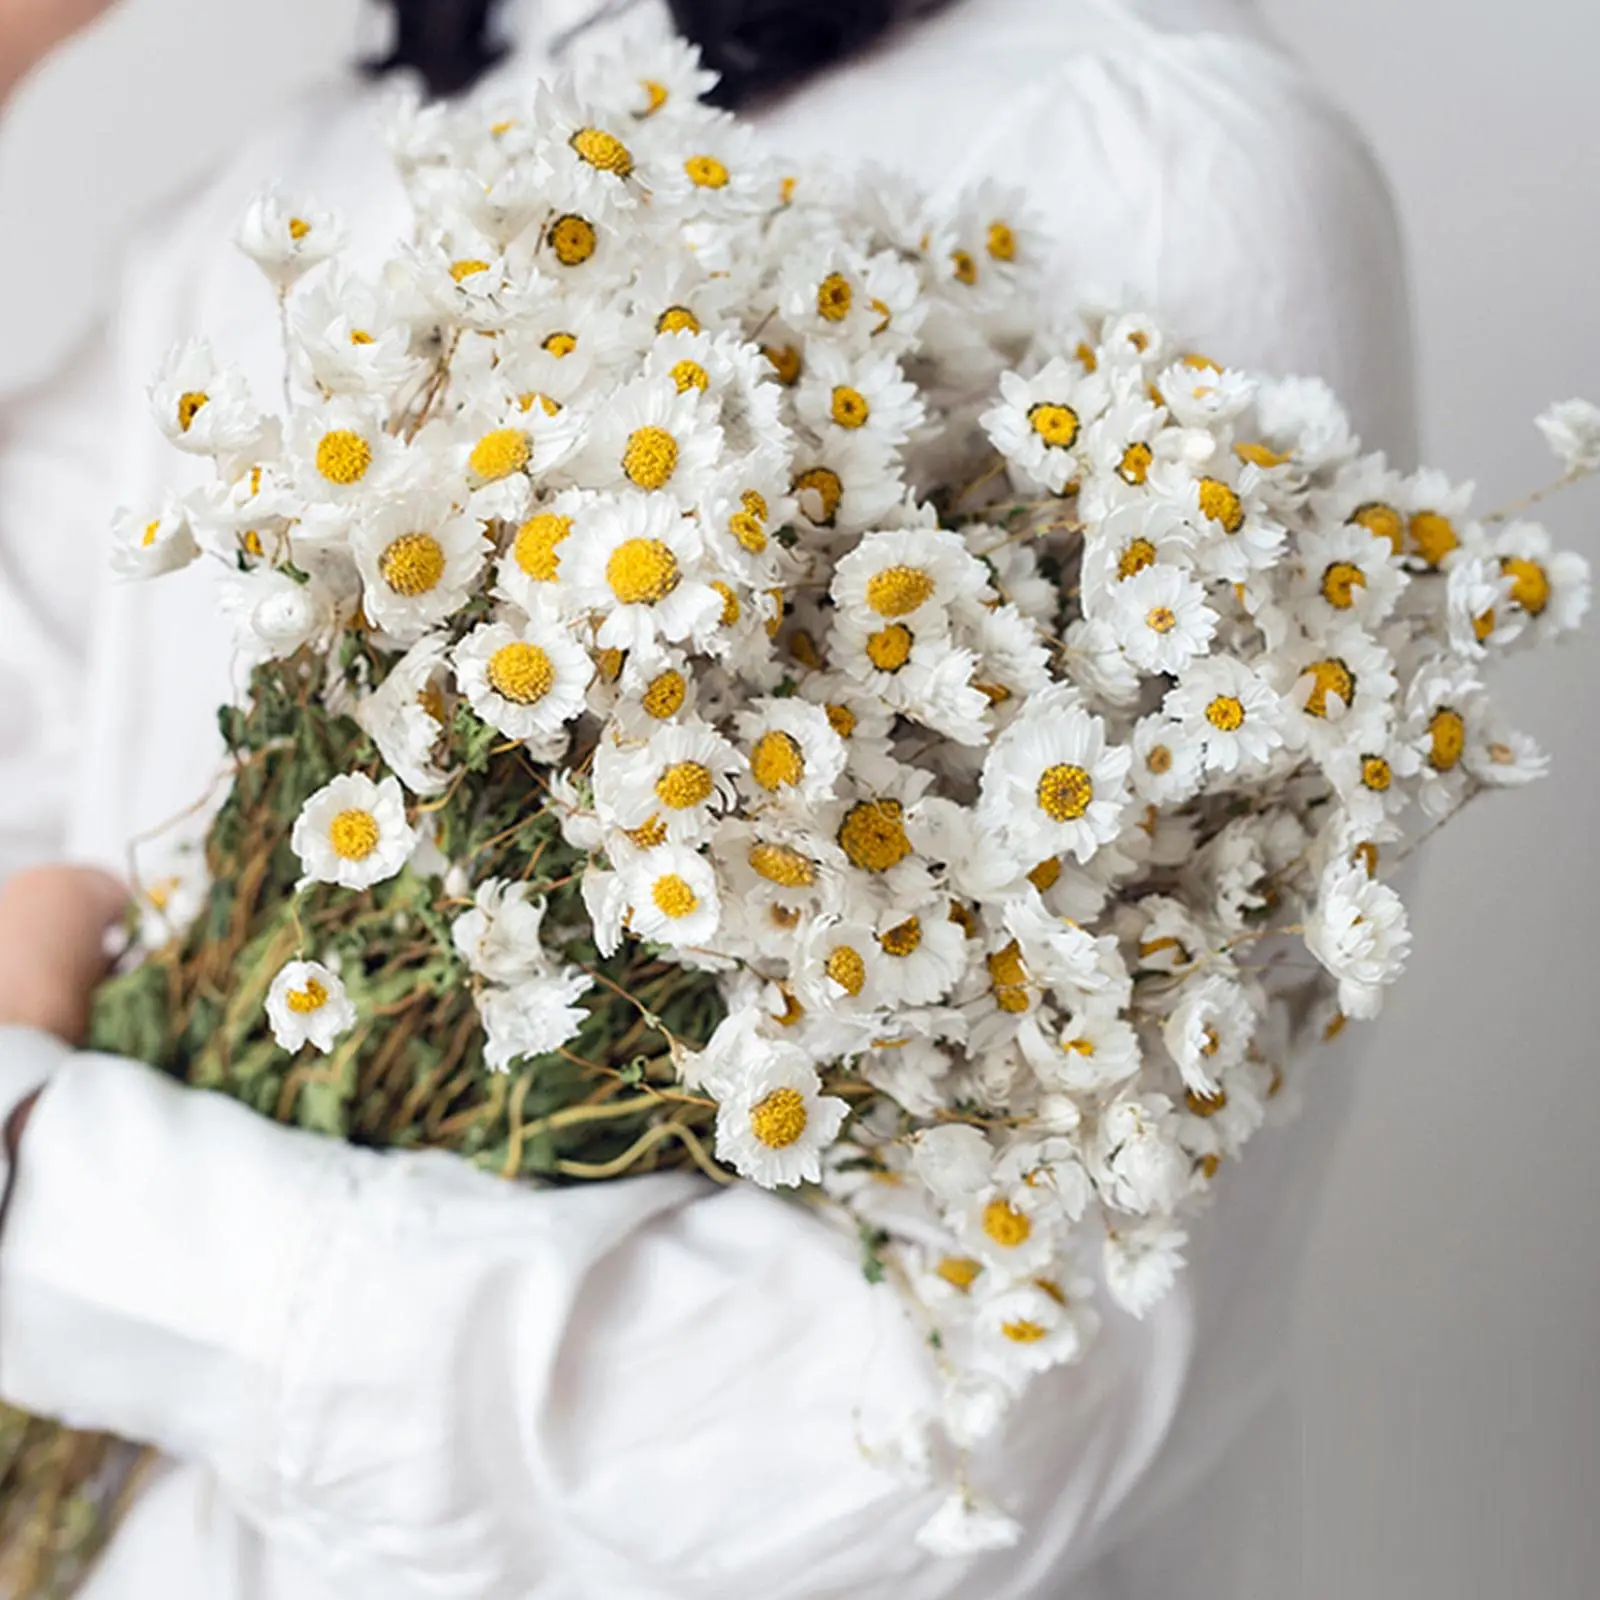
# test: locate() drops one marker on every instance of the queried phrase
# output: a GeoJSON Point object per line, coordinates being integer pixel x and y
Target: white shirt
{"type": "Point", "coordinates": [392, 1376]}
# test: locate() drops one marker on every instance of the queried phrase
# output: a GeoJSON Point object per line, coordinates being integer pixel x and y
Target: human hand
{"type": "Point", "coordinates": [53, 923]}
{"type": "Point", "coordinates": [31, 29]}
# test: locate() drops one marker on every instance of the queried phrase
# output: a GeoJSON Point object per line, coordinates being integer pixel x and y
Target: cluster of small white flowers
{"type": "Point", "coordinates": [1000, 702]}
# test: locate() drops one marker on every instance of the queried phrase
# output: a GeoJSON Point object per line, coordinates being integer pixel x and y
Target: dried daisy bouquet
{"type": "Point", "coordinates": [734, 675]}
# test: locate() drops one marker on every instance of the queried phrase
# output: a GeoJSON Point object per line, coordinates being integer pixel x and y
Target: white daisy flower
{"type": "Point", "coordinates": [1095, 1050]}
{"type": "Point", "coordinates": [1374, 782]}
{"type": "Point", "coordinates": [671, 896]}
{"type": "Point", "coordinates": [831, 292]}
{"type": "Point", "coordinates": [1359, 932]}
{"type": "Point", "coordinates": [143, 546]}
{"type": "Point", "coordinates": [840, 968]}
{"type": "Point", "coordinates": [716, 170]}
{"type": "Point", "coordinates": [593, 157]}
{"type": "Point", "coordinates": [307, 1004]}
{"type": "Point", "coordinates": [647, 80]}
{"type": "Point", "coordinates": [528, 680]}
{"type": "Point", "coordinates": [1140, 1166]}
{"type": "Point", "coordinates": [1142, 1261]}
{"type": "Point", "coordinates": [1039, 425]}
{"type": "Point", "coordinates": [499, 937]}
{"type": "Point", "coordinates": [341, 451]}
{"type": "Point", "coordinates": [1504, 757]}
{"type": "Point", "coordinates": [530, 567]}
{"type": "Point", "coordinates": [502, 448]}
{"type": "Point", "coordinates": [1433, 509]}
{"type": "Point", "coordinates": [1168, 764]}
{"type": "Point", "coordinates": [348, 339]}
{"type": "Point", "coordinates": [1052, 784]}
{"type": "Point", "coordinates": [650, 438]}
{"type": "Point", "coordinates": [845, 484]}
{"type": "Point", "coordinates": [1031, 1327]}
{"type": "Point", "coordinates": [637, 570]}
{"type": "Point", "coordinates": [203, 408]}
{"type": "Point", "coordinates": [1339, 690]}
{"type": "Point", "coordinates": [532, 1017]}
{"type": "Point", "coordinates": [406, 715]}
{"type": "Point", "coordinates": [774, 1122]}
{"type": "Point", "coordinates": [1132, 537]}
{"type": "Point", "coordinates": [1209, 1029]}
{"type": "Point", "coordinates": [793, 750]}
{"type": "Point", "coordinates": [1010, 1228]}
{"type": "Point", "coordinates": [919, 674]}
{"type": "Point", "coordinates": [1442, 712]}
{"type": "Point", "coordinates": [286, 238]}
{"type": "Point", "coordinates": [922, 954]}
{"type": "Point", "coordinates": [682, 778]}
{"type": "Point", "coordinates": [1572, 430]}
{"type": "Point", "coordinates": [1200, 394]}
{"type": "Point", "coordinates": [1551, 586]}
{"type": "Point", "coordinates": [1303, 418]}
{"type": "Point", "coordinates": [968, 1524]}
{"type": "Point", "coordinates": [1229, 712]}
{"type": "Point", "coordinates": [1226, 508]}
{"type": "Point", "coordinates": [274, 615]}
{"type": "Point", "coordinates": [419, 560]}
{"type": "Point", "coordinates": [353, 832]}
{"type": "Point", "coordinates": [1161, 619]}
{"type": "Point", "coordinates": [914, 576]}
{"type": "Point", "coordinates": [1346, 575]}
{"type": "Point", "coordinates": [866, 395]}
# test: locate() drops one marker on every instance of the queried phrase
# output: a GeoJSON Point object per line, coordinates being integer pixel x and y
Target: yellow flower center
{"type": "Point", "coordinates": [1221, 505]}
{"type": "Point", "coordinates": [1057, 425]}
{"type": "Point", "coordinates": [573, 239]}
{"type": "Point", "coordinates": [648, 834]}
{"type": "Point", "coordinates": [677, 319]}
{"type": "Point", "coordinates": [469, 267]}
{"type": "Point", "coordinates": [673, 897]}
{"type": "Point", "coordinates": [609, 664]}
{"type": "Point", "coordinates": [731, 609]}
{"type": "Point", "coordinates": [1340, 582]}
{"type": "Point", "coordinates": [651, 458]}
{"type": "Point", "coordinates": [1023, 1330]}
{"type": "Point", "coordinates": [1447, 735]}
{"type": "Point", "coordinates": [1433, 537]}
{"type": "Point", "coordinates": [1160, 619]}
{"type": "Point", "coordinates": [873, 836]}
{"type": "Point", "coordinates": [656, 95]}
{"type": "Point", "coordinates": [849, 408]}
{"type": "Point", "coordinates": [779, 864]}
{"type": "Point", "coordinates": [1065, 792]}
{"type": "Point", "coordinates": [1158, 759]}
{"type": "Point", "coordinates": [304, 1001]}
{"type": "Point", "coordinates": [1001, 242]}
{"type": "Point", "coordinates": [151, 529]}
{"type": "Point", "coordinates": [521, 672]}
{"type": "Point", "coordinates": [1009, 978]}
{"type": "Point", "coordinates": [534, 549]}
{"type": "Point", "coordinates": [792, 1009]}
{"type": "Point", "coordinates": [1258, 455]}
{"type": "Point", "coordinates": [665, 694]}
{"type": "Point", "coordinates": [604, 151]}
{"type": "Point", "coordinates": [841, 719]}
{"type": "Point", "coordinates": [1136, 556]}
{"type": "Point", "coordinates": [960, 1272]}
{"type": "Point", "coordinates": [360, 336]}
{"type": "Point", "coordinates": [530, 398]}
{"type": "Point", "coordinates": [898, 591]}
{"type": "Point", "coordinates": [354, 834]}
{"type": "Point", "coordinates": [1006, 1225]}
{"type": "Point", "coordinates": [784, 359]}
{"type": "Point", "coordinates": [413, 564]}
{"type": "Point", "coordinates": [1530, 583]}
{"type": "Point", "coordinates": [1078, 1047]}
{"type": "Point", "coordinates": [834, 297]}
{"type": "Point", "coordinates": [343, 457]}
{"type": "Point", "coordinates": [1205, 1105]}
{"type": "Point", "coordinates": [500, 453]}
{"type": "Point", "coordinates": [1382, 521]}
{"type": "Point", "coordinates": [890, 648]}
{"type": "Point", "coordinates": [1226, 713]}
{"type": "Point", "coordinates": [1376, 773]}
{"type": "Point", "coordinates": [846, 968]}
{"type": "Point", "coordinates": [560, 345]}
{"type": "Point", "coordinates": [1329, 677]}
{"type": "Point", "coordinates": [1134, 467]}
{"type": "Point", "coordinates": [964, 267]}
{"type": "Point", "coordinates": [777, 760]}
{"type": "Point", "coordinates": [685, 784]}
{"type": "Point", "coordinates": [689, 375]}
{"type": "Point", "coordinates": [903, 939]}
{"type": "Point", "coordinates": [642, 571]}
{"type": "Point", "coordinates": [827, 486]}
{"type": "Point", "coordinates": [706, 172]}
{"type": "Point", "coordinates": [298, 228]}
{"type": "Point", "coordinates": [749, 525]}
{"type": "Point", "coordinates": [779, 1120]}
{"type": "Point", "coordinates": [190, 405]}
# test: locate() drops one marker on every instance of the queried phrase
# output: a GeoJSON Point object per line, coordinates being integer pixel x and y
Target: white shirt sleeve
{"type": "Point", "coordinates": [59, 444]}
{"type": "Point", "coordinates": [427, 1381]}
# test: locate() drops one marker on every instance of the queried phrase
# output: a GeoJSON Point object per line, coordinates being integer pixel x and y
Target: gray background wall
{"type": "Point", "coordinates": [1451, 1332]}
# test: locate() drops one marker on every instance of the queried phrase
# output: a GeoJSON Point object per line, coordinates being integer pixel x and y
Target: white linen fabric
{"type": "Point", "coordinates": [391, 1376]}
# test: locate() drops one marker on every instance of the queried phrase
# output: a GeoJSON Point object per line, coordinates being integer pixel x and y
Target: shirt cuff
{"type": "Point", "coordinates": [27, 1058]}
{"type": "Point", "coordinates": [157, 1239]}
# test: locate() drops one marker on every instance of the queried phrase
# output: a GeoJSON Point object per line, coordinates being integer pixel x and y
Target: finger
{"type": "Point", "coordinates": [53, 923]}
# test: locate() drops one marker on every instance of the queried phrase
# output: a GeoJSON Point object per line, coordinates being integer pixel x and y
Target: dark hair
{"type": "Point", "coordinates": [758, 46]}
